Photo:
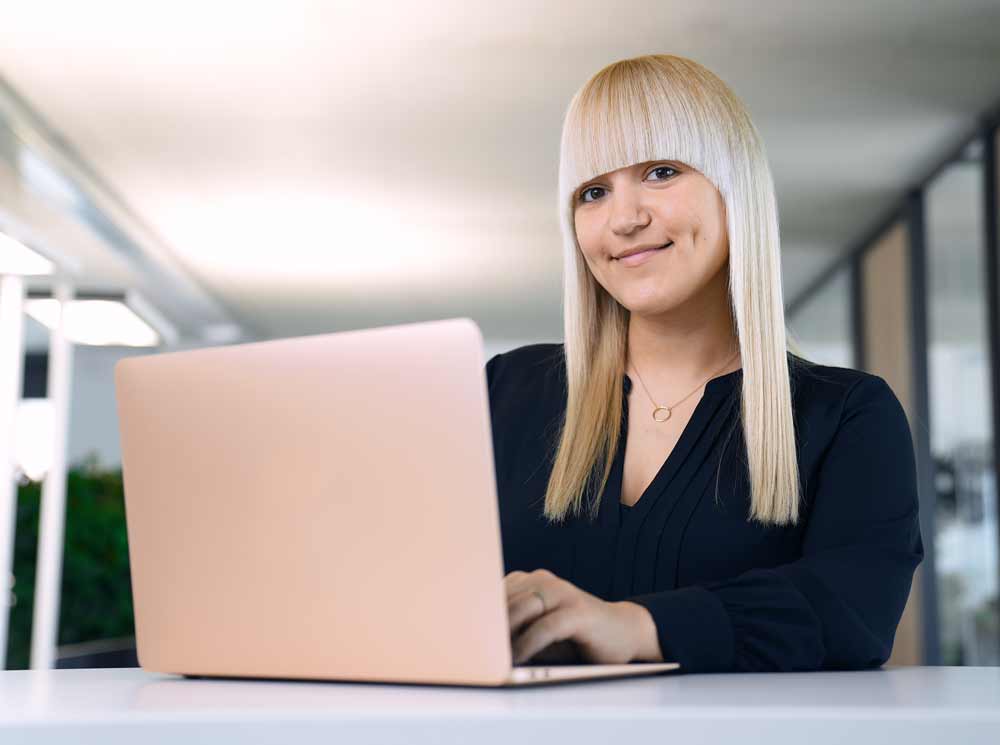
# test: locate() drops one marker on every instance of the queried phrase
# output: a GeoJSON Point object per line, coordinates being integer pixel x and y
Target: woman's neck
{"type": "Point", "coordinates": [677, 351]}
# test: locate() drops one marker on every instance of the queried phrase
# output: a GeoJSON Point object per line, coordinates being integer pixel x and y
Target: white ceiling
{"type": "Point", "coordinates": [318, 166]}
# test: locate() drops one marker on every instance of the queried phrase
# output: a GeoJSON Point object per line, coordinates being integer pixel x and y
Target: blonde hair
{"type": "Point", "coordinates": [663, 107]}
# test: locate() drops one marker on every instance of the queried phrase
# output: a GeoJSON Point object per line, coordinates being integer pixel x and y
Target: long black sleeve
{"type": "Point", "coordinates": [838, 606]}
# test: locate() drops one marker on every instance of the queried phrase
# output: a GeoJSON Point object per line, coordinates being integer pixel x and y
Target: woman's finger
{"type": "Point", "coordinates": [522, 608]}
{"type": "Point", "coordinates": [553, 627]}
{"type": "Point", "coordinates": [513, 577]}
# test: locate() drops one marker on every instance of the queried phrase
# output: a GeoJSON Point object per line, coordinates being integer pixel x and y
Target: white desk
{"type": "Point", "coordinates": [903, 705]}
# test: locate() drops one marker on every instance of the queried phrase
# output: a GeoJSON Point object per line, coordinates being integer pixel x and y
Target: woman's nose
{"type": "Point", "coordinates": [627, 210]}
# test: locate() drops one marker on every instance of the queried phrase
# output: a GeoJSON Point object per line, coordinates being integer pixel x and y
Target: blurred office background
{"type": "Point", "coordinates": [176, 175]}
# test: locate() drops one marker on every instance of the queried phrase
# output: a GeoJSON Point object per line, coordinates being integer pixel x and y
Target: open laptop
{"type": "Point", "coordinates": [322, 508]}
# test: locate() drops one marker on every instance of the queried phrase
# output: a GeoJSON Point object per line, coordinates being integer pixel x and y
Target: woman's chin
{"type": "Point", "coordinates": [646, 305]}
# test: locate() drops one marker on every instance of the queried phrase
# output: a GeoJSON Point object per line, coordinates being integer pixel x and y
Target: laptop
{"type": "Point", "coordinates": [322, 508]}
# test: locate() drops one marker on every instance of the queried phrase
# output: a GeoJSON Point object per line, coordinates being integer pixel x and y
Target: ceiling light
{"type": "Point", "coordinates": [16, 258]}
{"type": "Point", "coordinates": [96, 322]}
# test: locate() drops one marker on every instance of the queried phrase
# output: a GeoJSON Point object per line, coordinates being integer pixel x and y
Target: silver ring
{"type": "Point", "coordinates": [540, 597]}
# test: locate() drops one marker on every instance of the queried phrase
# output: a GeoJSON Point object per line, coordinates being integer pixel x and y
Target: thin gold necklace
{"type": "Point", "coordinates": [669, 409]}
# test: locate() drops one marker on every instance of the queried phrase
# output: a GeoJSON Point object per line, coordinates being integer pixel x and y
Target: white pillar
{"type": "Point", "coordinates": [51, 523]}
{"type": "Point", "coordinates": [11, 371]}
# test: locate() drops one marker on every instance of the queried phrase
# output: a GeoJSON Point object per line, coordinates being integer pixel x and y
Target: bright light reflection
{"type": "Point", "coordinates": [333, 238]}
{"type": "Point", "coordinates": [95, 322]}
{"type": "Point", "coordinates": [35, 432]}
{"type": "Point", "coordinates": [16, 258]}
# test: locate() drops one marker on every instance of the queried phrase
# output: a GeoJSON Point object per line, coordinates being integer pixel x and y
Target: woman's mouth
{"type": "Point", "coordinates": [643, 256]}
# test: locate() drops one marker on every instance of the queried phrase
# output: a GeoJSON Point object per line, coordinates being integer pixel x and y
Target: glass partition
{"type": "Point", "coordinates": [822, 324]}
{"type": "Point", "coordinates": [960, 401]}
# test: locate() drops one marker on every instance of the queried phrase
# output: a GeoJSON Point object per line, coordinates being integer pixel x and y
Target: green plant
{"type": "Point", "coordinates": [96, 598]}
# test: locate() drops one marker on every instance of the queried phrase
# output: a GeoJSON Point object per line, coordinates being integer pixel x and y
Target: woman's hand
{"type": "Point", "coordinates": [573, 625]}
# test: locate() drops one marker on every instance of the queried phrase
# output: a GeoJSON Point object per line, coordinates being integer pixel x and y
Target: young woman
{"type": "Point", "coordinates": [676, 482]}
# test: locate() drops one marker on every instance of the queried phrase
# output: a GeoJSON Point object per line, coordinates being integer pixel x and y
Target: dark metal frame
{"type": "Point", "coordinates": [47, 294]}
{"type": "Point", "coordinates": [911, 211]}
{"type": "Point", "coordinates": [991, 246]}
{"type": "Point", "coordinates": [858, 319]}
{"type": "Point", "coordinates": [917, 259]}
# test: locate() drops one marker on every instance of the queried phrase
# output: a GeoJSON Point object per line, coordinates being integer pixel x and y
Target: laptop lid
{"type": "Point", "coordinates": [320, 507]}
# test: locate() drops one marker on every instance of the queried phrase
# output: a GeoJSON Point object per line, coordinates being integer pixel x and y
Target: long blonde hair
{"type": "Point", "coordinates": [663, 107]}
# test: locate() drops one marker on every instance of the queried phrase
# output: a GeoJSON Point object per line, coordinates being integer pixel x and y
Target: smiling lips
{"type": "Point", "coordinates": [642, 256]}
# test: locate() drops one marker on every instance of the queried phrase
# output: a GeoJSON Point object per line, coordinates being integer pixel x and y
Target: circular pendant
{"type": "Point", "coordinates": [661, 408]}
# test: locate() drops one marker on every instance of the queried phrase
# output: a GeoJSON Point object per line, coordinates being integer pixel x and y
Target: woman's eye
{"type": "Point", "coordinates": [662, 168]}
{"type": "Point", "coordinates": [585, 192]}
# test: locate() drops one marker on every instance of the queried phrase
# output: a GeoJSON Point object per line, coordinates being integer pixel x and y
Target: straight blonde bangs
{"type": "Point", "coordinates": [632, 113]}
{"type": "Point", "coordinates": [653, 108]}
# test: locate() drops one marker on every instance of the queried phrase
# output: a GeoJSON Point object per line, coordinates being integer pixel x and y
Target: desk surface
{"type": "Point", "coordinates": [128, 705]}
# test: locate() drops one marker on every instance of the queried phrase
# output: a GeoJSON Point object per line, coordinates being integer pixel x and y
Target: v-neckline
{"type": "Point", "coordinates": [715, 387]}
{"type": "Point", "coordinates": [599, 541]}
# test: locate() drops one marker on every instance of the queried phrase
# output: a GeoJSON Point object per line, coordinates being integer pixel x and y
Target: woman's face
{"type": "Point", "coordinates": [649, 205]}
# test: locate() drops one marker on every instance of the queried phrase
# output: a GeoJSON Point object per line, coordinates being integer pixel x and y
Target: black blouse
{"type": "Point", "coordinates": [727, 594]}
